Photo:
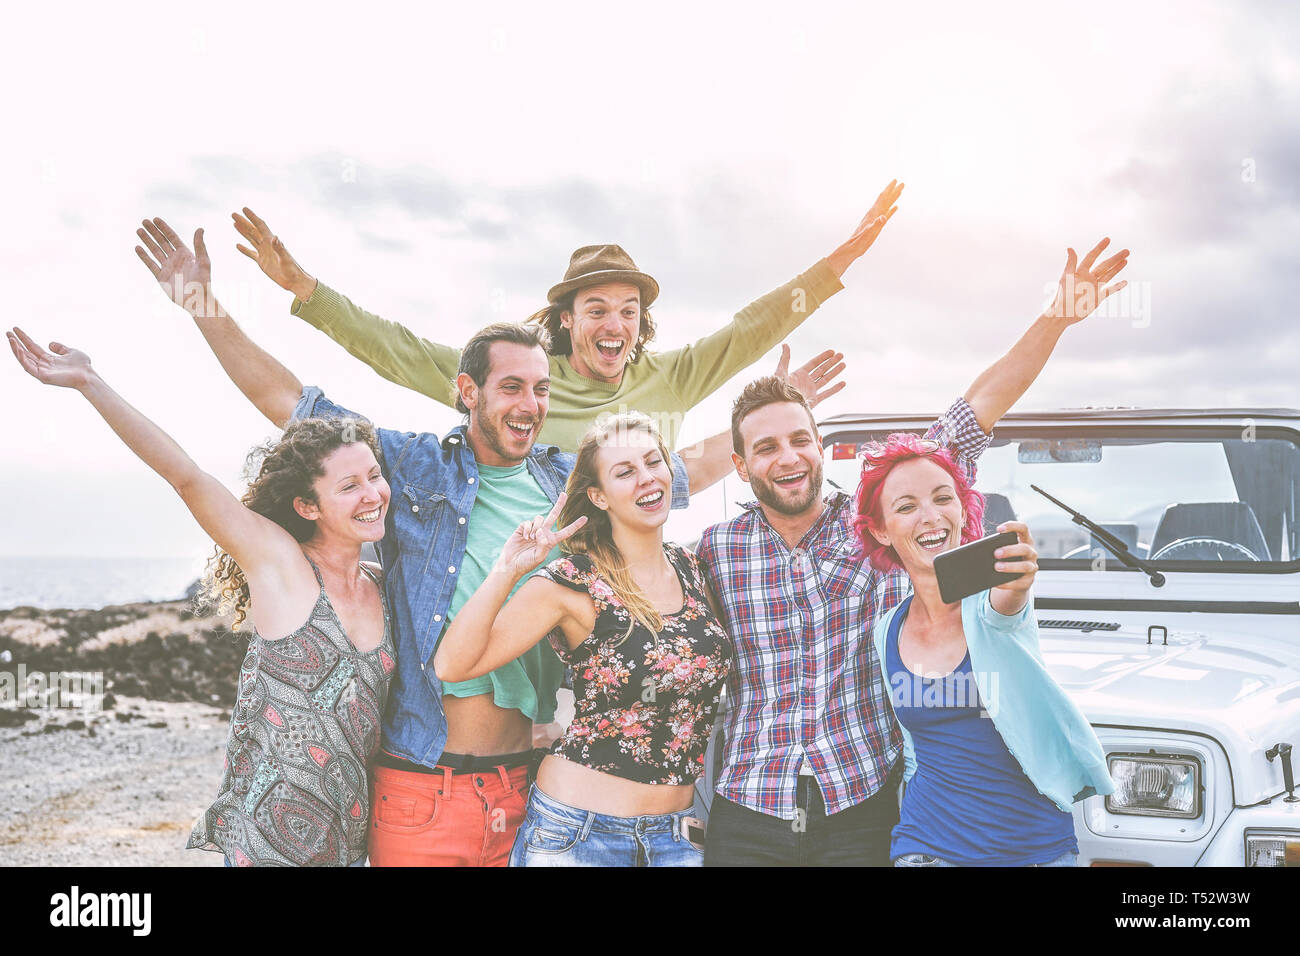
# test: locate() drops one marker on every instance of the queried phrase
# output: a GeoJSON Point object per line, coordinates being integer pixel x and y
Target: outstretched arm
{"type": "Point", "coordinates": [484, 636]}
{"type": "Point", "coordinates": [709, 461]}
{"type": "Point", "coordinates": [392, 350]}
{"type": "Point", "coordinates": [186, 278]}
{"type": "Point", "coordinates": [252, 540]}
{"type": "Point", "coordinates": [696, 371]}
{"type": "Point", "coordinates": [1081, 289]}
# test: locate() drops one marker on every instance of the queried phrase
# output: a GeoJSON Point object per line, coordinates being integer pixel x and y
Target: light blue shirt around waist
{"type": "Point", "coordinates": [1048, 735]}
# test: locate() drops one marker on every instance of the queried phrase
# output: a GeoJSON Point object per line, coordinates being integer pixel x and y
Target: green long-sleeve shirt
{"type": "Point", "coordinates": [663, 385]}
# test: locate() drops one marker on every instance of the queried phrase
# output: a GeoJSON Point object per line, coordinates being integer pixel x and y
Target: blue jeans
{"type": "Point", "coordinates": [556, 834]}
{"type": "Point", "coordinates": [924, 859]}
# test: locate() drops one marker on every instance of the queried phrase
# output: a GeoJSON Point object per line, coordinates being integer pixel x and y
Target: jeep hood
{"type": "Point", "coordinates": [1239, 689]}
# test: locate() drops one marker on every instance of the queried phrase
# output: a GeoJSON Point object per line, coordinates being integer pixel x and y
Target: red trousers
{"type": "Point", "coordinates": [445, 818]}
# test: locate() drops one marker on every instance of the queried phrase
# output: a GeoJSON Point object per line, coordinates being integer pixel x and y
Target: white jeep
{"type": "Point", "coordinates": [1186, 661]}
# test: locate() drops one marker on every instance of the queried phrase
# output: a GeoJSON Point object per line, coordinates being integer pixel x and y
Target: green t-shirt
{"type": "Point", "coordinates": [663, 385]}
{"type": "Point", "coordinates": [506, 498]}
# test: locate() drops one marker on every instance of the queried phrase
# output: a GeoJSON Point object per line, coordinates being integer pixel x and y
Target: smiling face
{"type": "Point", "coordinates": [634, 480]}
{"type": "Point", "coordinates": [507, 411]}
{"type": "Point", "coordinates": [783, 458]}
{"type": "Point", "coordinates": [603, 327]}
{"type": "Point", "coordinates": [351, 497]}
{"type": "Point", "coordinates": [921, 514]}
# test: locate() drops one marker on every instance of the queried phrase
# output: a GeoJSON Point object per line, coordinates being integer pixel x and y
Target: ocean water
{"type": "Point", "coordinates": [94, 582]}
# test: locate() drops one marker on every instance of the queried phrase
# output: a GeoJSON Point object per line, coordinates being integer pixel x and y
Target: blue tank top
{"type": "Point", "coordinates": [968, 802]}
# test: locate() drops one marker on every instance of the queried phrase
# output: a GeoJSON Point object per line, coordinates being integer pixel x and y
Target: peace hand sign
{"type": "Point", "coordinates": [533, 540]}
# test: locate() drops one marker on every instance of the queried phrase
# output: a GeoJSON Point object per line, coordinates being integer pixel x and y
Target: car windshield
{"type": "Point", "coordinates": [1226, 502]}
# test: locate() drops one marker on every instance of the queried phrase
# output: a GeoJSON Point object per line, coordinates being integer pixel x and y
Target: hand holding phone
{"type": "Point", "coordinates": [1019, 558]}
{"type": "Point", "coordinates": [973, 567]}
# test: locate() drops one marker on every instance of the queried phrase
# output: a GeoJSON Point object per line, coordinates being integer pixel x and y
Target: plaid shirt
{"type": "Point", "coordinates": [806, 684]}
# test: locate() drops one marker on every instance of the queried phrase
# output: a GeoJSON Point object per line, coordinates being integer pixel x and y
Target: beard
{"type": "Point", "coordinates": [770, 494]}
{"type": "Point", "coordinates": [497, 436]}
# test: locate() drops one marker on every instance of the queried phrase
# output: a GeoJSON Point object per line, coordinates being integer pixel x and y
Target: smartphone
{"type": "Point", "coordinates": [969, 569]}
{"type": "Point", "coordinates": [693, 831]}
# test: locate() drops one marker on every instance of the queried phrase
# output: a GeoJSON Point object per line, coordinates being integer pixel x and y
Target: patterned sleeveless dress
{"type": "Point", "coordinates": [304, 728]}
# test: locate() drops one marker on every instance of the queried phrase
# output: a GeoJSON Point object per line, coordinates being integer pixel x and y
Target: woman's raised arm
{"type": "Point", "coordinates": [1078, 293]}
{"type": "Point", "coordinates": [249, 538]}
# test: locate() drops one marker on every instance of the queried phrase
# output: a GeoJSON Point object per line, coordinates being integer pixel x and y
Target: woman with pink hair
{"type": "Point", "coordinates": [995, 752]}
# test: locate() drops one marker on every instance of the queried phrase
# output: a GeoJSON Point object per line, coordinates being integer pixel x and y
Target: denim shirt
{"type": "Point", "coordinates": [433, 484]}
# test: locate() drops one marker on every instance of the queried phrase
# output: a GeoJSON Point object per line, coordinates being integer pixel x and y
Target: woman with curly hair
{"type": "Point", "coordinates": [633, 618]}
{"type": "Point", "coordinates": [995, 753]}
{"type": "Point", "coordinates": [315, 678]}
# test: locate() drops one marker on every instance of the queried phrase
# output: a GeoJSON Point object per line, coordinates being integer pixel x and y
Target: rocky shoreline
{"type": "Point", "coordinates": [112, 732]}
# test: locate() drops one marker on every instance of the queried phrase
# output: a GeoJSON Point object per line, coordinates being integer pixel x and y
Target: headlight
{"type": "Point", "coordinates": [1151, 786]}
{"type": "Point", "coordinates": [1277, 848]}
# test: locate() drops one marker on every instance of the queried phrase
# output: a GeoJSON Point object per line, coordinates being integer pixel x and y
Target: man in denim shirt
{"type": "Point", "coordinates": [451, 778]}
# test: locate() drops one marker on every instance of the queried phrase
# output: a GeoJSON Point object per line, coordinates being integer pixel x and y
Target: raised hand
{"type": "Point", "coordinates": [1081, 290]}
{"type": "Point", "coordinates": [184, 276]}
{"type": "Point", "coordinates": [271, 256]}
{"type": "Point", "coordinates": [868, 229]}
{"type": "Point", "coordinates": [61, 366]}
{"type": "Point", "coordinates": [533, 540]}
{"type": "Point", "coordinates": [813, 377]}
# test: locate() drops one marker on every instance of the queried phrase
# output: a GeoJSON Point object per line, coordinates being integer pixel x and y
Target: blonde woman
{"type": "Point", "coordinates": [632, 616]}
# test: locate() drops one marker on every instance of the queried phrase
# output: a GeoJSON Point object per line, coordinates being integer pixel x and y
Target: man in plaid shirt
{"type": "Point", "coordinates": [811, 758]}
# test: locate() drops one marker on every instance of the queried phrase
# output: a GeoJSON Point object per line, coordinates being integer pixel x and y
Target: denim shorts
{"type": "Point", "coordinates": [924, 859]}
{"type": "Point", "coordinates": [556, 834]}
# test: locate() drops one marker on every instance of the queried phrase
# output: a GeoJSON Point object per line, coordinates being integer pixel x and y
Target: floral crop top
{"type": "Point", "coordinates": [644, 707]}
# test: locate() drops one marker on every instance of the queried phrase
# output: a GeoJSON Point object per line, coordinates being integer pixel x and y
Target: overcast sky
{"type": "Point", "coordinates": [439, 165]}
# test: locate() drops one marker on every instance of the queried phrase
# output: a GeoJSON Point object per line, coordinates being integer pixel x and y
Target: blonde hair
{"type": "Point", "coordinates": [595, 539]}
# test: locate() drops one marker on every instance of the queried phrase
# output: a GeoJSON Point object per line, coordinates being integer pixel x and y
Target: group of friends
{"type": "Point", "coordinates": [387, 713]}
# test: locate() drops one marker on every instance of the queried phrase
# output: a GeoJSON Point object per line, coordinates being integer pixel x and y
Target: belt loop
{"type": "Point", "coordinates": [446, 781]}
{"type": "Point", "coordinates": [505, 778]}
{"type": "Point", "coordinates": [586, 826]}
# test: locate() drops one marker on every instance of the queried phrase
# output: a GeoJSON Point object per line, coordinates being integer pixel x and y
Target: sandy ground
{"type": "Point", "coordinates": [125, 796]}
{"type": "Point", "coordinates": [121, 785]}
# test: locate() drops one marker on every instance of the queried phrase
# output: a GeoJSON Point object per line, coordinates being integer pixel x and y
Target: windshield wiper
{"type": "Point", "coordinates": [1112, 544]}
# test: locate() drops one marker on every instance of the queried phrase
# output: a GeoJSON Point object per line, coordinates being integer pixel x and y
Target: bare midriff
{"type": "Point", "coordinates": [599, 792]}
{"type": "Point", "coordinates": [477, 726]}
